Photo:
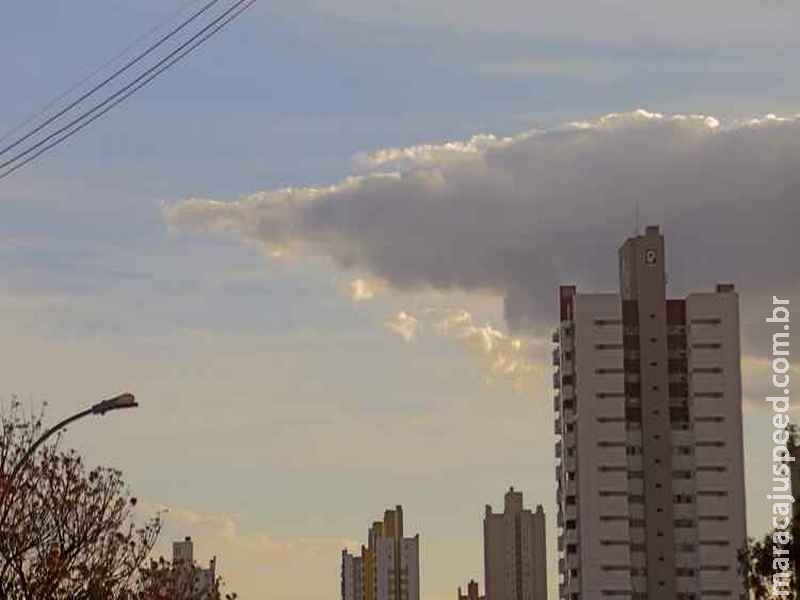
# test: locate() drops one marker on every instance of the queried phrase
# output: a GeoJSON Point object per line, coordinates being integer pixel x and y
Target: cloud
{"type": "Point", "coordinates": [363, 289]}
{"type": "Point", "coordinates": [512, 357]}
{"type": "Point", "coordinates": [518, 215]}
{"type": "Point", "coordinates": [405, 325]}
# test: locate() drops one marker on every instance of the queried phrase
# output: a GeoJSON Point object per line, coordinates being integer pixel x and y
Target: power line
{"type": "Point", "coordinates": [111, 77]}
{"type": "Point", "coordinates": [242, 5]}
{"type": "Point", "coordinates": [150, 32]}
{"type": "Point", "coordinates": [121, 91]}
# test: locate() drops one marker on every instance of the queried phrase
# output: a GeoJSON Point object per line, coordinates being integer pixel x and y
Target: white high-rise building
{"type": "Point", "coordinates": [352, 577]}
{"type": "Point", "coordinates": [514, 551]}
{"type": "Point", "coordinates": [388, 568]}
{"type": "Point", "coordinates": [203, 581]}
{"type": "Point", "coordinates": [649, 423]}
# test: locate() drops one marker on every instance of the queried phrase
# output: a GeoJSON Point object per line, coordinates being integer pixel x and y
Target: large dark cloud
{"type": "Point", "coordinates": [519, 216]}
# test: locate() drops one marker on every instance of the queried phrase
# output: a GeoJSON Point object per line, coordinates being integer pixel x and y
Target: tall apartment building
{"type": "Point", "coordinates": [515, 551]}
{"type": "Point", "coordinates": [352, 577]}
{"type": "Point", "coordinates": [188, 575]}
{"type": "Point", "coordinates": [649, 423]}
{"type": "Point", "coordinates": [388, 568]}
{"type": "Point", "coordinates": [472, 592]}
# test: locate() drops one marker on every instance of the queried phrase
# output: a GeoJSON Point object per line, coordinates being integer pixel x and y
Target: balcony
{"type": "Point", "coordinates": [556, 336]}
{"type": "Point", "coordinates": [557, 380]}
{"type": "Point", "coordinates": [557, 428]}
{"type": "Point", "coordinates": [556, 357]}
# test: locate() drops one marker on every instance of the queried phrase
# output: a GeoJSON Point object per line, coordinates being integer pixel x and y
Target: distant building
{"type": "Point", "coordinates": [650, 465]}
{"type": "Point", "coordinates": [515, 555]}
{"type": "Point", "coordinates": [184, 566]}
{"type": "Point", "coordinates": [388, 568]}
{"type": "Point", "coordinates": [472, 592]}
{"type": "Point", "coordinates": [352, 577]}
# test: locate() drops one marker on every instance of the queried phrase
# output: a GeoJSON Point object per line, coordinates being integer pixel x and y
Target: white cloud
{"type": "Point", "coordinates": [363, 289]}
{"type": "Point", "coordinates": [518, 215]}
{"type": "Point", "coordinates": [507, 356]}
{"type": "Point", "coordinates": [405, 325]}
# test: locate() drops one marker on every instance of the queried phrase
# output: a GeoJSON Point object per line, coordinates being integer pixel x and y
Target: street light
{"type": "Point", "coordinates": [101, 408]}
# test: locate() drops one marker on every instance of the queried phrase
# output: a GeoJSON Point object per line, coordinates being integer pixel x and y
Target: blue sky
{"type": "Point", "coordinates": [278, 416]}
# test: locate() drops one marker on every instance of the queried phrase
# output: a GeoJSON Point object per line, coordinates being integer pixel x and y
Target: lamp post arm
{"type": "Point", "coordinates": [29, 452]}
{"type": "Point", "coordinates": [101, 408]}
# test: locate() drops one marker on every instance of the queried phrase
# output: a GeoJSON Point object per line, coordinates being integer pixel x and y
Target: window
{"type": "Point", "coordinates": [614, 543]}
{"type": "Point", "coordinates": [602, 322]}
{"type": "Point", "coordinates": [716, 543]}
{"type": "Point", "coordinates": [707, 346]}
{"type": "Point", "coordinates": [709, 394]}
{"type": "Point", "coordinates": [706, 321]}
{"type": "Point", "coordinates": [709, 419]}
{"type": "Point", "coordinates": [608, 346]}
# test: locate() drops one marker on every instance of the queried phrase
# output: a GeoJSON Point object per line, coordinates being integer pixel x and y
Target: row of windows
{"type": "Point", "coordinates": [682, 547]}
{"type": "Point", "coordinates": [677, 498]}
{"type": "Point", "coordinates": [676, 474]}
{"type": "Point", "coordinates": [674, 342]}
{"type": "Point", "coordinates": [643, 596]}
{"type": "Point", "coordinates": [709, 419]}
{"type": "Point", "coordinates": [677, 523]}
{"type": "Point", "coordinates": [676, 390]}
{"type": "Point", "coordinates": [681, 450]}
{"type": "Point", "coordinates": [680, 571]}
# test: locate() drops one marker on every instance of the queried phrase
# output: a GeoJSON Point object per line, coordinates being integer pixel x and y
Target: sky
{"type": "Point", "coordinates": [323, 252]}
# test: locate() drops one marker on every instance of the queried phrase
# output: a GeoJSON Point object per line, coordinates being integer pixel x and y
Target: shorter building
{"type": "Point", "coordinates": [515, 551]}
{"type": "Point", "coordinates": [388, 568]}
{"type": "Point", "coordinates": [204, 580]}
{"type": "Point", "coordinates": [352, 577]}
{"type": "Point", "coordinates": [472, 592]}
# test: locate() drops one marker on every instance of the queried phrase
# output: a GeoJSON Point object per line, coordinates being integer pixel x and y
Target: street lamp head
{"type": "Point", "coordinates": [115, 403]}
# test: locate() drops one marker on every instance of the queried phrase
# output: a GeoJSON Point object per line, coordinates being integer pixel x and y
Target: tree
{"type": "Point", "coordinates": [755, 566]}
{"type": "Point", "coordinates": [756, 558]}
{"type": "Point", "coordinates": [162, 580]}
{"type": "Point", "coordinates": [65, 531]}
{"type": "Point", "coordinates": [68, 532]}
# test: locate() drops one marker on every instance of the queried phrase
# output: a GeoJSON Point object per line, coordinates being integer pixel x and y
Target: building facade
{"type": "Point", "coordinates": [203, 581]}
{"type": "Point", "coordinates": [515, 560]}
{"type": "Point", "coordinates": [352, 577]}
{"type": "Point", "coordinates": [472, 592]}
{"type": "Point", "coordinates": [650, 467]}
{"type": "Point", "coordinates": [388, 568]}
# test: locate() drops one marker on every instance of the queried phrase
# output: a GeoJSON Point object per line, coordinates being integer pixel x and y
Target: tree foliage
{"type": "Point", "coordinates": [68, 532]}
